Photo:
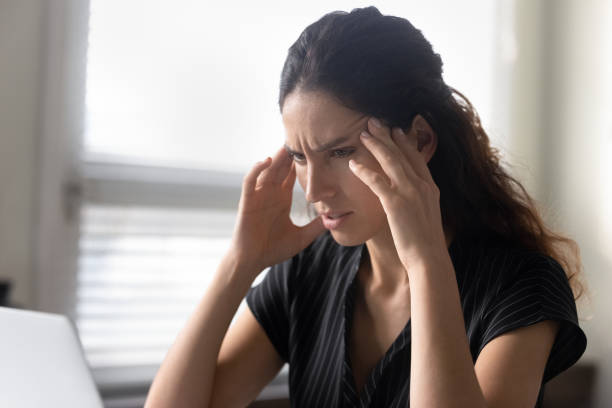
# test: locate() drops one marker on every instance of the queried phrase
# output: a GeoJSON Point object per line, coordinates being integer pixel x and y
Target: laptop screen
{"type": "Point", "coordinates": [43, 364]}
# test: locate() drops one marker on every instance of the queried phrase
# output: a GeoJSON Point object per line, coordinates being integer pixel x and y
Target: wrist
{"type": "Point", "coordinates": [242, 258]}
{"type": "Point", "coordinates": [236, 271]}
{"type": "Point", "coordinates": [431, 271]}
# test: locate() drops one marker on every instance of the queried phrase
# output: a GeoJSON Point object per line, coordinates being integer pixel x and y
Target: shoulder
{"type": "Point", "coordinates": [526, 293]}
{"type": "Point", "coordinates": [492, 265]}
{"type": "Point", "coordinates": [304, 267]}
{"type": "Point", "coordinates": [323, 248]}
{"type": "Point", "coordinates": [318, 263]}
{"type": "Point", "coordinates": [322, 255]}
{"type": "Point", "coordinates": [317, 252]}
{"type": "Point", "coordinates": [323, 270]}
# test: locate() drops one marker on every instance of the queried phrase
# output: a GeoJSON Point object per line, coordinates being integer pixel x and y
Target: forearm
{"type": "Point", "coordinates": [442, 371]}
{"type": "Point", "coordinates": [186, 376]}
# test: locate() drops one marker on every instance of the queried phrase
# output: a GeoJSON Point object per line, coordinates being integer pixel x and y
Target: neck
{"type": "Point", "coordinates": [382, 271]}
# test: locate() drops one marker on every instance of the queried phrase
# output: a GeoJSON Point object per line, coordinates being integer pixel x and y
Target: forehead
{"type": "Point", "coordinates": [312, 119]}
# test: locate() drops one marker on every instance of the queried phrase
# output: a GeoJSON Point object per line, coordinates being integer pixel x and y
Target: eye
{"type": "Point", "coordinates": [298, 157]}
{"type": "Point", "coordinates": [340, 153]}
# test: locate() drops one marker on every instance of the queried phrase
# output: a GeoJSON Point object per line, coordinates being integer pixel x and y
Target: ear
{"type": "Point", "coordinates": [424, 137]}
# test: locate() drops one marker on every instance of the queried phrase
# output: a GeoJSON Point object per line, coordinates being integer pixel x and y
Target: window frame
{"type": "Point", "coordinates": [66, 179]}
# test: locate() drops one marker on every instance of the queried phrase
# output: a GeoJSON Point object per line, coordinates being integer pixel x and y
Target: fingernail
{"type": "Point", "coordinates": [365, 134]}
{"type": "Point", "coordinates": [376, 122]}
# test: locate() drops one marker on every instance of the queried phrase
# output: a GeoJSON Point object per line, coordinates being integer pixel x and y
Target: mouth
{"type": "Point", "coordinates": [333, 219]}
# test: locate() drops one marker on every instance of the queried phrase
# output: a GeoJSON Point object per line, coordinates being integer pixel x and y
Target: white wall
{"type": "Point", "coordinates": [20, 68]}
{"type": "Point", "coordinates": [578, 131]}
{"type": "Point", "coordinates": [562, 128]}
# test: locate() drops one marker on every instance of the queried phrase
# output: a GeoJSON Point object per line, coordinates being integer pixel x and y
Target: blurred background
{"type": "Point", "coordinates": [126, 127]}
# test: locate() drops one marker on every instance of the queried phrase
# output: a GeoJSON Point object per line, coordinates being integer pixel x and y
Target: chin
{"type": "Point", "coordinates": [345, 239]}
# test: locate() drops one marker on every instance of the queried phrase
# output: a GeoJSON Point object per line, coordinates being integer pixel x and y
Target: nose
{"type": "Point", "coordinates": [319, 184]}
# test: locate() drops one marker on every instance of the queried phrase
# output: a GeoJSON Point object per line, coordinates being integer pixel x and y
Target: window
{"type": "Point", "coordinates": [177, 101]}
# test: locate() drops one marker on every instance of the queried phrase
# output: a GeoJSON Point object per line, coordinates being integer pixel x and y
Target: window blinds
{"type": "Point", "coordinates": [142, 270]}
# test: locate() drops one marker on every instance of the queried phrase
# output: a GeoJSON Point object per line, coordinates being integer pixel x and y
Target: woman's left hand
{"type": "Point", "coordinates": [406, 190]}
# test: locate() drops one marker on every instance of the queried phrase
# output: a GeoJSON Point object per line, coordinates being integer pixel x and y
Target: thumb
{"type": "Point", "coordinates": [290, 179]}
{"type": "Point", "coordinates": [310, 231]}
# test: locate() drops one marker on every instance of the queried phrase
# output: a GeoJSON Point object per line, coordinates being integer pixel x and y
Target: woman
{"type": "Point", "coordinates": [428, 278]}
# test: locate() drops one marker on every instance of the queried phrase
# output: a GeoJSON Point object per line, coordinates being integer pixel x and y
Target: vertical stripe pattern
{"type": "Point", "coordinates": [305, 303]}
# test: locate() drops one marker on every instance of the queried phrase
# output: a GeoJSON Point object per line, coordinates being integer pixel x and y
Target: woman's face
{"type": "Point", "coordinates": [322, 135]}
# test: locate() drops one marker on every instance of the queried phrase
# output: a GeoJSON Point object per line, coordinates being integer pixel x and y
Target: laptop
{"type": "Point", "coordinates": [42, 363]}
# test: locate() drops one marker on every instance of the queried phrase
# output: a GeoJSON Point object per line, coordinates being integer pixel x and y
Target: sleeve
{"type": "Point", "coordinates": [539, 292]}
{"type": "Point", "coordinates": [269, 302]}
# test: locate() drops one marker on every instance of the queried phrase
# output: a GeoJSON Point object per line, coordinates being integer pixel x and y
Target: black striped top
{"type": "Point", "coordinates": [305, 306]}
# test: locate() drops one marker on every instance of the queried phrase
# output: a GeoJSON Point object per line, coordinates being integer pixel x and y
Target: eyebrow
{"type": "Point", "coordinates": [325, 146]}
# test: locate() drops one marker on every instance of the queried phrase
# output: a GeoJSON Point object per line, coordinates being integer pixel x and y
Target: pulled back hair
{"type": "Point", "coordinates": [384, 67]}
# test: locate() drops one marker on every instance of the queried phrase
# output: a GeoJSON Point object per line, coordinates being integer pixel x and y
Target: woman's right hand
{"type": "Point", "coordinates": [264, 234]}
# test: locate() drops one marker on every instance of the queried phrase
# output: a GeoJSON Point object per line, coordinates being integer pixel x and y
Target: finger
{"type": "Point", "coordinates": [250, 180]}
{"type": "Point", "coordinates": [390, 160]}
{"type": "Point", "coordinates": [284, 165]}
{"type": "Point", "coordinates": [290, 179]}
{"type": "Point", "coordinates": [377, 182]}
{"type": "Point", "coordinates": [381, 132]}
{"type": "Point", "coordinates": [386, 136]}
{"type": "Point", "coordinates": [409, 148]}
{"type": "Point", "coordinates": [403, 144]}
{"type": "Point", "coordinates": [277, 171]}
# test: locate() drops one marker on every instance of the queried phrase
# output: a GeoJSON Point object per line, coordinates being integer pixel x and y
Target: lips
{"type": "Point", "coordinates": [335, 214]}
{"type": "Point", "coordinates": [334, 219]}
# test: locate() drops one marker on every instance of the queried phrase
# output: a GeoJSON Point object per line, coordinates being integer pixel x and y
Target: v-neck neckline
{"type": "Point", "coordinates": [364, 398]}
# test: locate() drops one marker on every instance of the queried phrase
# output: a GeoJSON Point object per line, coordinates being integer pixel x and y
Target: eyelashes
{"type": "Point", "coordinates": [342, 152]}
{"type": "Point", "coordinates": [337, 153]}
{"type": "Point", "coordinates": [295, 157]}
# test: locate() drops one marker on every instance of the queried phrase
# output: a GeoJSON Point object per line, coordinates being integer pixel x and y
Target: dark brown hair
{"type": "Point", "coordinates": [383, 66]}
